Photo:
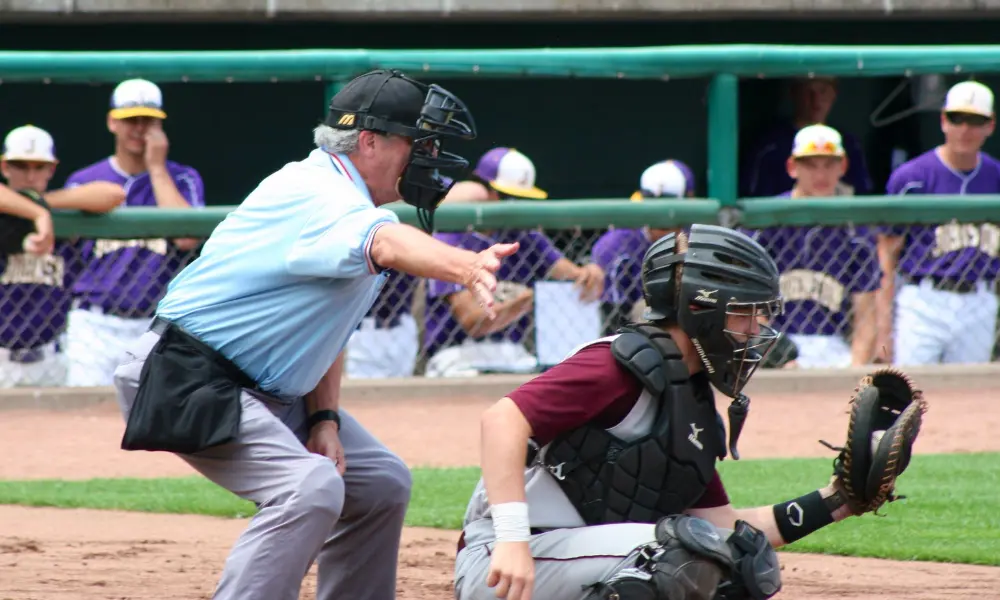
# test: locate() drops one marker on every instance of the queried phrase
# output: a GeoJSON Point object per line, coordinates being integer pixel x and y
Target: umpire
{"type": "Point", "coordinates": [240, 371]}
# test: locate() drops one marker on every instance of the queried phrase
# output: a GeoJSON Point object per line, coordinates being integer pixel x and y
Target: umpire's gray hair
{"type": "Point", "coordinates": [343, 141]}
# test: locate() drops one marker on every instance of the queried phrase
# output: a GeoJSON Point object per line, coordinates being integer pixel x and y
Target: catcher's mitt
{"type": "Point", "coordinates": [886, 413]}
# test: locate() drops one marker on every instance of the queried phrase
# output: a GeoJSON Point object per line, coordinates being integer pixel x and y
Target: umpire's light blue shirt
{"type": "Point", "coordinates": [285, 279]}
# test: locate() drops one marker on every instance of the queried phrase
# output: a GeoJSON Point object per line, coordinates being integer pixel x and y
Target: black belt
{"type": "Point", "coordinates": [943, 284]}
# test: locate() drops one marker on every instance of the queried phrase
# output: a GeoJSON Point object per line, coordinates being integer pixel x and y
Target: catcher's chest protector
{"type": "Point", "coordinates": [610, 480]}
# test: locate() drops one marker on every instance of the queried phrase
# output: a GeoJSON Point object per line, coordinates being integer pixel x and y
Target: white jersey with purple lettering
{"type": "Point", "coordinates": [946, 307]}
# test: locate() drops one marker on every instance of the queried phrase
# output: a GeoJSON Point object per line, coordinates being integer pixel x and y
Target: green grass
{"type": "Point", "coordinates": [952, 513]}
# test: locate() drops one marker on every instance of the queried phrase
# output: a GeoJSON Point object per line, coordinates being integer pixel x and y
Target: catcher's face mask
{"type": "Point", "coordinates": [731, 342]}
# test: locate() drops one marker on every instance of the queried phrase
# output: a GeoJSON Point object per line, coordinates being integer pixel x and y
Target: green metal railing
{"type": "Point", "coordinates": [743, 60]}
{"type": "Point", "coordinates": [583, 214]}
{"type": "Point", "coordinates": [724, 64]}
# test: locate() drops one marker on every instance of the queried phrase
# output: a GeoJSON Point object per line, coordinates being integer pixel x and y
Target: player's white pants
{"type": "Point", "coordinates": [48, 371]}
{"type": "Point", "coordinates": [471, 357]}
{"type": "Point", "coordinates": [821, 351]}
{"type": "Point", "coordinates": [96, 345]}
{"type": "Point", "coordinates": [934, 326]}
{"type": "Point", "coordinates": [386, 352]}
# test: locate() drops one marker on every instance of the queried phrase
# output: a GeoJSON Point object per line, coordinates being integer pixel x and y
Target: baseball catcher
{"type": "Point", "coordinates": [599, 475]}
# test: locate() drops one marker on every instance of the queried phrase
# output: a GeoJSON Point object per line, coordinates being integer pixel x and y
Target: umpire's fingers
{"type": "Point", "coordinates": [486, 300]}
{"type": "Point", "coordinates": [504, 250]}
{"type": "Point", "coordinates": [488, 280]}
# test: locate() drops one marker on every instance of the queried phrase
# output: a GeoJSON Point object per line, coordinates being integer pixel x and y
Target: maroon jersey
{"type": "Point", "coordinates": [592, 387]}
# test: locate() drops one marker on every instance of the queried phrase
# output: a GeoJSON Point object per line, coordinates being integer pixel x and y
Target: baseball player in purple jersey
{"type": "Point", "coordinates": [458, 339]}
{"type": "Point", "coordinates": [116, 295]}
{"type": "Point", "coordinates": [828, 274]}
{"type": "Point", "coordinates": [764, 172]}
{"type": "Point", "coordinates": [946, 307]}
{"type": "Point", "coordinates": [34, 287]}
{"type": "Point", "coordinates": [619, 251]}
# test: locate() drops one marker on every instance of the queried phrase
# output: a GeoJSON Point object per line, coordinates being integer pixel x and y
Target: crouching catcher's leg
{"type": "Point", "coordinates": [692, 560]}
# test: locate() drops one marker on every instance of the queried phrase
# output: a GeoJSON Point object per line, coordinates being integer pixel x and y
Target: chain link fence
{"type": "Point", "coordinates": [69, 317]}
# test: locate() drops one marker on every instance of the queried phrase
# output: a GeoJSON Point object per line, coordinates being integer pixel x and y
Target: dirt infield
{"type": "Point", "coordinates": [89, 555]}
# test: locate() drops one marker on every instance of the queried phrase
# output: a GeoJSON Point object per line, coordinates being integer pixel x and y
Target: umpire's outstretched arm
{"type": "Point", "coordinates": [407, 249]}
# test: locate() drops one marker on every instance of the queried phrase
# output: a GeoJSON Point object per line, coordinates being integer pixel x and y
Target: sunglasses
{"type": "Point", "coordinates": [957, 118]}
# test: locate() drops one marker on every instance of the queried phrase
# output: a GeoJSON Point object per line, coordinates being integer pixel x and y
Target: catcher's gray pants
{"type": "Point", "coordinates": [352, 524]}
{"type": "Point", "coordinates": [566, 560]}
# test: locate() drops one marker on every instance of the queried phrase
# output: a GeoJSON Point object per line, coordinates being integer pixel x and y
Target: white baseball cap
{"type": "Point", "coordinates": [662, 179]}
{"type": "Point", "coordinates": [509, 172]}
{"type": "Point", "coordinates": [137, 98]}
{"type": "Point", "coordinates": [29, 143]}
{"type": "Point", "coordinates": [969, 97]}
{"type": "Point", "coordinates": [818, 140]}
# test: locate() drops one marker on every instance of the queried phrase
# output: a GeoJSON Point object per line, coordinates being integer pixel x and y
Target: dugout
{"type": "Point", "coordinates": [588, 138]}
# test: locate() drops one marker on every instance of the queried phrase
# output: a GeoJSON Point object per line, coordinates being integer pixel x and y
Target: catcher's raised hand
{"type": "Point", "coordinates": [886, 413]}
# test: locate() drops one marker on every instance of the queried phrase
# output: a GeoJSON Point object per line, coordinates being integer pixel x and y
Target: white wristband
{"type": "Point", "coordinates": [510, 522]}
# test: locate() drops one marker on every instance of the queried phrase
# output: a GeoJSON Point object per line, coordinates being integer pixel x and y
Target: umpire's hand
{"type": "Point", "coordinates": [324, 439]}
{"type": "Point", "coordinates": [482, 281]}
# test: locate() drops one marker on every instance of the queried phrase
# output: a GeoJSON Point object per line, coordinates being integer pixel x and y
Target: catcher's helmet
{"type": "Point", "coordinates": [389, 102]}
{"type": "Point", "coordinates": [697, 279]}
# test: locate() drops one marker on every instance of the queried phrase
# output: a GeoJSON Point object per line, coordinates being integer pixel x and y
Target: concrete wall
{"type": "Point", "coordinates": [980, 380]}
{"type": "Point", "coordinates": [24, 10]}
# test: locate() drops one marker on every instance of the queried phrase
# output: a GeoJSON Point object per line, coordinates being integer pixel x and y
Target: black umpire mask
{"type": "Point", "coordinates": [388, 101]}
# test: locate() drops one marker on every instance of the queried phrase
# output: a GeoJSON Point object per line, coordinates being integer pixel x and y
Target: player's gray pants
{"type": "Point", "coordinates": [306, 509]}
{"type": "Point", "coordinates": [566, 560]}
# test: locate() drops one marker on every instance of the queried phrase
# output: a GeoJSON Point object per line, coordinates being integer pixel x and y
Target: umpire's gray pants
{"type": "Point", "coordinates": [306, 509]}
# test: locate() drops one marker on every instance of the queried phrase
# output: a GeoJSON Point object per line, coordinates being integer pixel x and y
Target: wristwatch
{"type": "Point", "coordinates": [323, 415]}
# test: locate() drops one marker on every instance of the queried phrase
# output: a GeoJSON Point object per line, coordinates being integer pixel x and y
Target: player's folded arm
{"type": "Point", "coordinates": [93, 197]}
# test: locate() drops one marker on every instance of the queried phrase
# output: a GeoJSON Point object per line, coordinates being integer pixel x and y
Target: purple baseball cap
{"type": "Point", "coordinates": [509, 172]}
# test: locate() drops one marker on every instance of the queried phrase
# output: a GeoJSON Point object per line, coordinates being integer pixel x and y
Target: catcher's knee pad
{"type": "Point", "coordinates": [691, 560]}
{"type": "Point", "coordinates": [687, 562]}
